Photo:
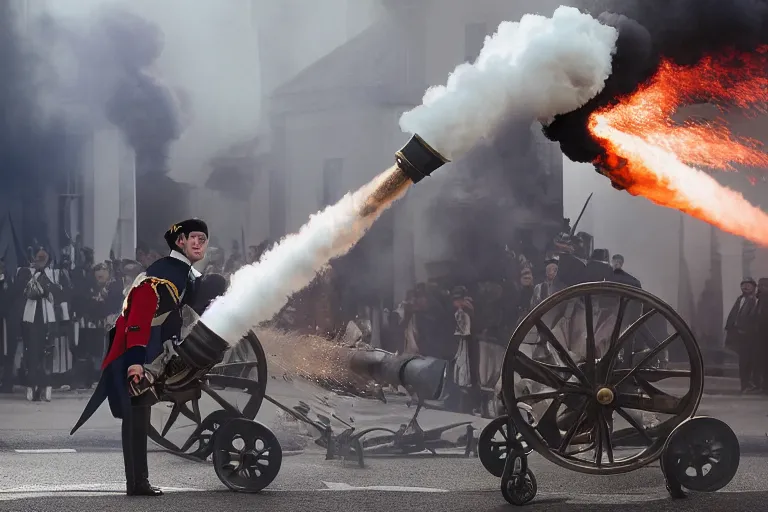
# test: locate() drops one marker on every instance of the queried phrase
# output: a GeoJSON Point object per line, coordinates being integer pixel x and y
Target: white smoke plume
{"type": "Point", "coordinates": [534, 69]}
{"type": "Point", "coordinates": [258, 291]}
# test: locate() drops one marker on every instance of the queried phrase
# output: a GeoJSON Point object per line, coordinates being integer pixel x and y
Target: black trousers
{"type": "Point", "coordinates": [38, 354]}
{"type": "Point", "coordinates": [135, 429]}
{"type": "Point", "coordinates": [89, 354]}
{"type": "Point", "coordinates": [748, 366]}
{"type": "Point", "coordinates": [7, 359]}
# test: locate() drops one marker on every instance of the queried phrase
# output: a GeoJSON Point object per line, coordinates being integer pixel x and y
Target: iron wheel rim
{"type": "Point", "coordinates": [695, 443]}
{"type": "Point", "coordinates": [249, 467]}
{"type": "Point", "coordinates": [492, 453]}
{"type": "Point", "coordinates": [625, 293]}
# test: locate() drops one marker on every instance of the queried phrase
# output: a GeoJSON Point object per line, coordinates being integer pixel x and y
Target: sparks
{"type": "Point", "coordinates": [648, 154]}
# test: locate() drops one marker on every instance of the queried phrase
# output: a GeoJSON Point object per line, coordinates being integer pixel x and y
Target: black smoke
{"type": "Point", "coordinates": [144, 108]}
{"type": "Point", "coordinates": [36, 148]}
{"type": "Point", "coordinates": [682, 31]}
{"type": "Point", "coordinates": [109, 74]}
{"type": "Point", "coordinates": [501, 198]}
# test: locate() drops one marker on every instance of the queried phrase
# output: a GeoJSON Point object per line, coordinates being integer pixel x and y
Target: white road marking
{"type": "Point", "coordinates": [338, 486]}
{"type": "Point", "coordinates": [48, 450]}
{"type": "Point", "coordinates": [42, 491]}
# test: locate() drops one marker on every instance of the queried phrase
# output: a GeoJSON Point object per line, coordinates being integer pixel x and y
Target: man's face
{"type": "Point", "coordinates": [762, 287]}
{"type": "Point", "coordinates": [102, 276]}
{"type": "Point", "coordinates": [526, 279]}
{"type": "Point", "coordinates": [551, 271]}
{"type": "Point", "coordinates": [617, 263]}
{"type": "Point", "coordinates": [193, 246]}
{"type": "Point", "coordinates": [747, 288]}
{"type": "Point", "coordinates": [41, 260]}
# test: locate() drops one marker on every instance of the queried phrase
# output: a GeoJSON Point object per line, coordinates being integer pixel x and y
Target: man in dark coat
{"type": "Point", "coordinates": [598, 268]}
{"type": "Point", "coordinates": [152, 314]}
{"type": "Point", "coordinates": [620, 275]}
{"type": "Point", "coordinates": [761, 352]}
{"type": "Point", "coordinates": [740, 332]}
{"type": "Point", "coordinates": [45, 292]}
{"type": "Point", "coordinates": [8, 332]}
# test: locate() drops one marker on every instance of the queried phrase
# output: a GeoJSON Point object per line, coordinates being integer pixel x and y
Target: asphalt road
{"type": "Point", "coordinates": [92, 482]}
{"type": "Point", "coordinates": [86, 474]}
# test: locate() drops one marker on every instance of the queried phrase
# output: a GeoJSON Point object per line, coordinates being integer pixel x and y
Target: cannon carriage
{"type": "Point", "coordinates": [587, 385]}
{"type": "Point", "coordinates": [246, 455]}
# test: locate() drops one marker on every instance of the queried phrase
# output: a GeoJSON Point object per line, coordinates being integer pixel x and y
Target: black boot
{"type": "Point", "coordinates": [135, 428]}
{"type": "Point", "coordinates": [143, 488]}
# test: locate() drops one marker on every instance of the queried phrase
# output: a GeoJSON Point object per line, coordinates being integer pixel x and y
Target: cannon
{"type": "Point", "coordinates": [187, 370]}
{"type": "Point", "coordinates": [245, 453]}
{"type": "Point", "coordinates": [601, 398]}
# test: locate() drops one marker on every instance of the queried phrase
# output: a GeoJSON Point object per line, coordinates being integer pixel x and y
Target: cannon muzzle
{"type": "Point", "coordinates": [201, 348]}
{"type": "Point", "coordinates": [424, 375]}
{"type": "Point", "coordinates": [417, 159]}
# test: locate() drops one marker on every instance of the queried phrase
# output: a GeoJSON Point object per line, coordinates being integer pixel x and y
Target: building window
{"type": "Point", "coordinates": [332, 180]}
{"type": "Point", "coordinates": [474, 37]}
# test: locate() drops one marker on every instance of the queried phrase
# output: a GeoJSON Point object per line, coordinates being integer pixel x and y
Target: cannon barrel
{"type": "Point", "coordinates": [417, 159]}
{"type": "Point", "coordinates": [424, 375]}
{"type": "Point", "coordinates": [413, 162]}
{"type": "Point", "coordinates": [201, 348]}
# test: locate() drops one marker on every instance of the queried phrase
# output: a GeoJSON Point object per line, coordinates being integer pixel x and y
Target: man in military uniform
{"type": "Point", "coordinates": [152, 314]}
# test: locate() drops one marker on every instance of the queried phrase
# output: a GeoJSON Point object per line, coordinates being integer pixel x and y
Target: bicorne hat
{"type": "Point", "coordinates": [184, 228]}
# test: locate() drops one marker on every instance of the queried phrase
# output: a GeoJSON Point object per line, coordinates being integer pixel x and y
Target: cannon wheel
{"type": "Point", "coordinates": [600, 390]}
{"type": "Point", "coordinates": [246, 455]}
{"type": "Point", "coordinates": [702, 454]}
{"type": "Point", "coordinates": [519, 490]}
{"type": "Point", "coordinates": [493, 445]}
{"type": "Point", "coordinates": [249, 376]}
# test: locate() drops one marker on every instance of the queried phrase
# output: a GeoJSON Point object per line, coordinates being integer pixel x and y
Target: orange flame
{"type": "Point", "coordinates": [656, 153]}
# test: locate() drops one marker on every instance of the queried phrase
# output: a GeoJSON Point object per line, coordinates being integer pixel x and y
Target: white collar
{"type": "Point", "coordinates": [179, 256]}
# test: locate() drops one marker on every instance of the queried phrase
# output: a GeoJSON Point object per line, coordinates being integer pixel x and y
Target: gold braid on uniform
{"type": "Point", "coordinates": [154, 283]}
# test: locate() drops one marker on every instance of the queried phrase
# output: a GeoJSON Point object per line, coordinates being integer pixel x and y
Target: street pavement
{"type": "Point", "coordinates": [43, 468]}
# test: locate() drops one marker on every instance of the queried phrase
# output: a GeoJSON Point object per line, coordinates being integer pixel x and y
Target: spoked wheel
{"type": "Point", "coordinates": [519, 489]}
{"type": "Point", "coordinates": [244, 367]}
{"type": "Point", "coordinates": [592, 362]}
{"type": "Point", "coordinates": [246, 455]}
{"type": "Point", "coordinates": [493, 445]}
{"type": "Point", "coordinates": [202, 437]}
{"type": "Point", "coordinates": [702, 455]}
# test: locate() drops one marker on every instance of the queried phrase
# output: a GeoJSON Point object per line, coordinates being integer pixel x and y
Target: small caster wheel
{"type": "Point", "coordinates": [493, 445]}
{"type": "Point", "coordinates": [519, 489]}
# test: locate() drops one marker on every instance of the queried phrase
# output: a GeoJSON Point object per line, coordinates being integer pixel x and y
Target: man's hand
{"type": "Point", "coordinates": [136, 372]}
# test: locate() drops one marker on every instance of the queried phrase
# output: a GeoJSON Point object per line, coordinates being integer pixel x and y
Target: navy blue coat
{"type": "Point", "coordinates": [134, 341]}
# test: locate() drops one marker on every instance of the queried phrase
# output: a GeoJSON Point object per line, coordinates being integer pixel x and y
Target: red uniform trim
{"type": "Point", "coordinates": [141, 311]}
{"type": "Point", "coordinates": [133, 326]}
